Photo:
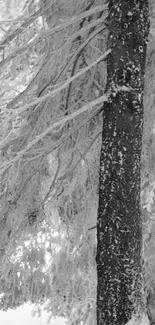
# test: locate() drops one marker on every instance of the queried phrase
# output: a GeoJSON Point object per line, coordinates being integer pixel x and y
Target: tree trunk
{"type": "Point", "coordinates": [119, 228]}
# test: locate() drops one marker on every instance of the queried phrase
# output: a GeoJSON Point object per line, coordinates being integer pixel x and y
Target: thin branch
{"type": "Point", "coordinates": [75, 129]}
{"type": "Point", "coordinates": [51, 186]}
{"type": "Point", "coordinates": [4, 167]}
{"type": "Point", "coordinates": [92, 228]}
{"type": "Point", "coordinates": [24, 25]}
{"type": "Point", "coordinates": [76, 59]}
{"type": "Point", "coordinates": [48, 62]}
{"type": "Point", "coordinates": [82, 156]}
{"type": "Point", "coordinates": [4, 219]}
{"type": "Point", "coordinates": [39, 137]}
{"type": "Point", "coordinates": [65, 83]}
{"type": "Point", "coordinates": [50, 32]}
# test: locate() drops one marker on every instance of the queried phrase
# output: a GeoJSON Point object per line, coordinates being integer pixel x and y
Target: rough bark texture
{"type": "Point", "coordinates": [119, 232]}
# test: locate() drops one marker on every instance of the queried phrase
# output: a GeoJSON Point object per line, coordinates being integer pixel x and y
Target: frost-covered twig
{"type": "Point", "coordinates": [24, 25]}
{"type": "Point", "coordinates": [64, 84]}
{"type": "Point", "coordinates": [48, 33]}
{"type": "Point", "coordinates": [49, 62]}
{"type": "Point", "coordinates": [52, 185]}
{"type": "Point", "coordinates": [65, 119]}
{"type": "Point", "coordinates": [82, 157]}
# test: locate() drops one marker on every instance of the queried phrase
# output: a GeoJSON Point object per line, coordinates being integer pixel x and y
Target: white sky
{"type": "Point", "coordinates": [22, 316]}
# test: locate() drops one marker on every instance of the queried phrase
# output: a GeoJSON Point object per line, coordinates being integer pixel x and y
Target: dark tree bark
{"type": "Point", "coordinates": [119, 229]}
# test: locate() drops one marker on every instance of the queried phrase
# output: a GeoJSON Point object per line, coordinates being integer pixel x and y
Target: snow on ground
{"type": "Point", "coordinates": [22, 316]}
{"type": "Point", "coordinates": [144, 321]}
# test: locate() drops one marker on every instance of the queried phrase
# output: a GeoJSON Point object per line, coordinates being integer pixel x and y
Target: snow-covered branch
{"type": "Point", "coordinates": [88, 107]}
{"type": "Point", "coordinates": [64, 84]}
{"type": "Point", "coordinates": [48, 33]}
